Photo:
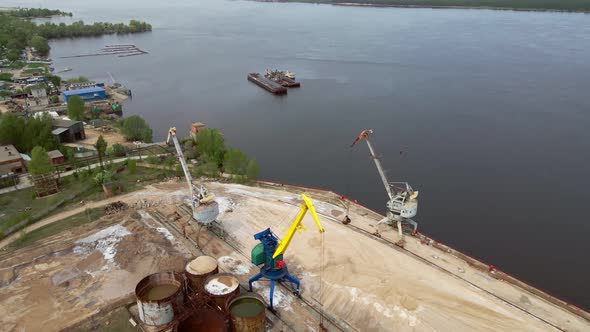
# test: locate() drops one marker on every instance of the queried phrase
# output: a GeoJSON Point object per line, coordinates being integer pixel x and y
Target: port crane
{"type": "Point", "coordinates": [268, 254]}
{"type": "Point", "coordinates": [204, 209]}
{"type": "Point", "coordinates": [403, 203]}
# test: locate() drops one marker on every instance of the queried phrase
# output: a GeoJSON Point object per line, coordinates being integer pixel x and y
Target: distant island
{"type": "Point", "coordinates": [524, 5]}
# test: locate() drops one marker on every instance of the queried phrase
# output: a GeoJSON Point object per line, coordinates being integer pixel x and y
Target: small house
{"type": "Point", "coordinates": [56, 157]}
{"type": "Point", "coordinates": [11, 160]}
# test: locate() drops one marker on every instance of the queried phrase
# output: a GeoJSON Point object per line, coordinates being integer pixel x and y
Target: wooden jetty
{"type": "Point", "coordinates": [119, 50]}
{"type": "Point", "coordinates": [267, 84]}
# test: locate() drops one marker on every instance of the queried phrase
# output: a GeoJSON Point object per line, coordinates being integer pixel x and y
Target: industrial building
{"type": "Point", "coordinates": [67, 131]}
{"type": "Point", "coordinates": [11, 160]}
{"type": "Point", "coordinates": [88, 94]}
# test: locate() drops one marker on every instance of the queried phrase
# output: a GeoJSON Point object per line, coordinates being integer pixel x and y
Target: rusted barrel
{"type": "Point", "coordinates": [204, 319]}
{"type": "Point", "coordinates": [247, 313]}
{"type": "Point", "coordinates": [159, 297]}
{"type": "Point", "coordinates": [199, 269]}
{"type": "Point", "coordinates": [221, 288]}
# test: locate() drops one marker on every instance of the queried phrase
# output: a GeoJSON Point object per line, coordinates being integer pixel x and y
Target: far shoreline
{"type": "Point", "coordinates": [382, 5]}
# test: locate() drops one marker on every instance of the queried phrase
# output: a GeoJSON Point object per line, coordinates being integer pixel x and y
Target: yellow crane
{"type": "Point", "coordinates": [268, 254]}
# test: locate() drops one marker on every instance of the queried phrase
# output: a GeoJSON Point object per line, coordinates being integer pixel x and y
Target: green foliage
{"type": "Point", "coordinates": [13, 54]}
{"type": "Point", "coordinates": [76, 108]}
{"type": "Point", "coordinates": [79, 79]}
{"type": "Point", "coordinates": [36, 12]}
{"type": "Point", "coordinates": [5, 76]}
{"type": "Point", "coordinates": [252, 170]}
{"type": "Point", "coordinates": [56, 80]}
{"type": "Point", "coordinates": [40, 44]}
{"type": "Point", "coordinates": [211, 145]}
{"type": "Point", "coordinates": [38, 133]}
{"type": "Point", "coordinates": [54, 99]}
{"type": "Point", "coordinates": [135, 128]}
{"type": "Point", "coordinates": [101, 148]}
{"type": "Point", "coordinates": [132, 166]}
{"type": "Point", "coordinates": [103, 177]}
{"type": "Point", "coordinates": [117, 150]}
{"type": "Point", "coordinates": [16, 32]}
{"type": "Point", "coordinates": [190, 149]}
{"type": "Point", "coordinates": [11, 130]}
{"type": "Point", "coordinates": [39, 163]}
{"type": "Point", "coordinates": [235, 162]}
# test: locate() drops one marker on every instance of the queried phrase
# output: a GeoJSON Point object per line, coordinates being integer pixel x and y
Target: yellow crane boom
{"type": "Point", "coordinates": [305, 206]}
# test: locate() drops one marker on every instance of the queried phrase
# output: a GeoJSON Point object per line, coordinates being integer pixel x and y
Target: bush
{"type": "Point", "coordinates": [131, 166]}
{"type": "Point", "coordinates": [117, 150]}
{"type": "Point", "coordinates": [134, 128]}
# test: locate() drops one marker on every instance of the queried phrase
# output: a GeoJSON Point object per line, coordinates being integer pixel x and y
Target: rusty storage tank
{"type": "Point", "coordinates": [160, 297]}
{"type": "Point", "coordinates": [199, 269]}
{"type": "Point", "coordinates": [221, 288]}
{"type": "Point", "coordinates": [206, 213]}
{"type": "Point", "coordinates": [247, 313]}
{"type": "Point", "coordinates": [204, 319]}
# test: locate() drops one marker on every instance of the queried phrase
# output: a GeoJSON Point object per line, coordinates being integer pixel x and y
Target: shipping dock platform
{"type": "Point", "coordinates": [267, 84]}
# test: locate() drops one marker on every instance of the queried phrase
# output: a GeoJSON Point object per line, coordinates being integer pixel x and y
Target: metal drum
{"type": "Point", "coordinates": [247, 313]}
{"type": "Point", "coordinates": [160, 297]}
{"type": "Point", "coordinates": [221, 288]}
{"type": "Point", "coordinates": [199, 269]}
{"type": "Point", "coordinates": [206, 213]}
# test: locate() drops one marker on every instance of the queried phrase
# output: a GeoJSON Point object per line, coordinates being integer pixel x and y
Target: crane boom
{"type": "Point", "coordinates": [305, 206]}
{"type": "Point", "coordinates": [365, 134]}
{"type": "Point", "coordinates": [187, 174]}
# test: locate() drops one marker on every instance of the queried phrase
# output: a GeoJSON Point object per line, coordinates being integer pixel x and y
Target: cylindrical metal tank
{"type": "Point", "coordinates": [221, 288]}
{"type": "Point", "coordinates": [205, 319]}
{"type": "Point", "coordinates": [206, 213]}
{"type": "Point", "coordinates": [160, 297]}
{"type": "Point", "coordinates": [199, 269]}
{"type": "Point", "coordinates": [247, 313]}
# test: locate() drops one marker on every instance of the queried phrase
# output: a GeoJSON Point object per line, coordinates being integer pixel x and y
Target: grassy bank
{"type": "Point", "coordinates": [55, 228]}
{"type": "Point", "coordinates": [532, 5]}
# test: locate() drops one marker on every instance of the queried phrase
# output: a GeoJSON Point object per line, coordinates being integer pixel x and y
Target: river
{"type": "Point", "coordinates": [485, 112]}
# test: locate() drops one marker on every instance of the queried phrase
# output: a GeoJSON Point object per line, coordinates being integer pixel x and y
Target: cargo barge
{"type": "Point", "coordinates": [267, 84]}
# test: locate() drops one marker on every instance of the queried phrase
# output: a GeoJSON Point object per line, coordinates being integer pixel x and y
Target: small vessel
{"type": "Point", "coordinates": [282, 77]}
{"type": "Point", "coordinates": [65, 70]}
{"type": "Point", "coordinates": [289, 74]}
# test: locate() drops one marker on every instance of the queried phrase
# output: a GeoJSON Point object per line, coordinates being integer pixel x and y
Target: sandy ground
{"type": "Point", "coordinates": [372, 286]}
{"type": "Point", "coordinates": [365, 284]}
{"type": "Point", "coordinates": [70, 276]}
{"type": "Point", "coordinates": [111, 137]}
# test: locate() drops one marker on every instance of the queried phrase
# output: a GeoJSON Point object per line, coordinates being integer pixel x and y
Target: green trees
{"type": "Point", "coordinates": [101, 148]}
{"type": "Point", "coordinates": [54, 99]}
{"type": "Point", "coordinates": [39, 163]}
{"type": "Point", "coordinates": [236, 162]}
{"type": "Point", "coordinates": [211, 145]}
{"type": "Point", "coordinates": [76, 108]}
{"type": "Point", "coordinates": [116, 150]}
{"type": "Point", "coordinates": [252, 170]}
{"type": "Point", "coordinates": [40, 44]}
{"type": "Point", "coordinates": [26, 135]}
{"type": "Point", "coordinates": [13, 54]}
{"type": "Point", "coordinates": [134, 128]}
{"type": "Point", "coordinates": [12, 128]}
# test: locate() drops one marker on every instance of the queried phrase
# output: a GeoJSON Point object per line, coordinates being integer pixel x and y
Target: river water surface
{"type": "Point", "coordinates": [486, 113]}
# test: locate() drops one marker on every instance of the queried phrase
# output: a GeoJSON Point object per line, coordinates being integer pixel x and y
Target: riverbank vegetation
{"type": "Point", "coordinates": [35, 12]}
{"type": "Point", "coordinates": [541, 5]}
{"type": "Point", "coordinates": [17, 33]}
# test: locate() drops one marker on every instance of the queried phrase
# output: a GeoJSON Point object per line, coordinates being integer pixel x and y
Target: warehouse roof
{"type": "Point", "coordinates": [59, 131]}
{"type": "Point", "coordinates": [61, 123]}
{"type": "Point", "coordinates": [8, 152]}
{"type": "Point", "coordinates": [93, 89]}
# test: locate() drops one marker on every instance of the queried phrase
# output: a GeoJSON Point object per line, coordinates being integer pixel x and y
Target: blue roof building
{"type": "Point", "coordinates": [88, 94]}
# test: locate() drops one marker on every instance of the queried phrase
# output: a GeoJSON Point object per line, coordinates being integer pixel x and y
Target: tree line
{"type": "Point", "coordinates": [17, 33]}
{"type": "Point", "coordinates": [36, 12]}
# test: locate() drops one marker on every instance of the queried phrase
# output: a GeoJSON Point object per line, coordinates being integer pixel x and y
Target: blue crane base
{"type": "Point", "coordinates": [275, 275]}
